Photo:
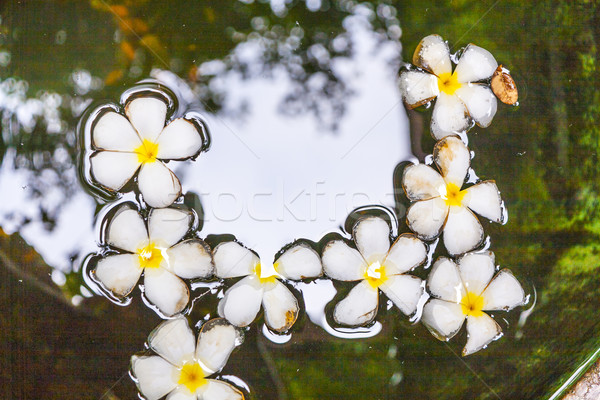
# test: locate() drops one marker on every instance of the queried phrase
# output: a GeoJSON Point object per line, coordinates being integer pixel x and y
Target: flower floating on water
{"type": "Point", "coordinates": [441, 204]}
{"type": "Point", "coordinates": [157, 250]}
{"type": "Point", "coordinates": [138, 143]}
{"type": "Point", "coordinates": [181, 368]}
{"type": "Point", "coordinates": [461, 97]}
{"type": "Point", "coordinates": [464, 290]}
{"type": "Point", "coordinates": [242, 301]}
{"type": "Point", "coordinates": [377, 266]}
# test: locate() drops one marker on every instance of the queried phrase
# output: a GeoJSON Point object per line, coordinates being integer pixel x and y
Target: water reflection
{"type": "Point", "coordinates": [543, 155]}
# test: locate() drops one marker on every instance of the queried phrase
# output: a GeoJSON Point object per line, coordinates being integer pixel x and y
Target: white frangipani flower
{"type": "Point", "coordinates": [157, 250]}
{"type": "Point", "coordinates": [377, 266]}
{"type": "Point", "coordinates": [181, 368]}
{"type": "Point", "coordinates": [242, 301]}
{"type": "Point", "coordinates": [440, 204]}
{"type": "Point", "coordinates": [465, 291]}
{"type": "Point", "coordinates": [138, 143]}
{"type": "Point", "coordinates": [459, 98]}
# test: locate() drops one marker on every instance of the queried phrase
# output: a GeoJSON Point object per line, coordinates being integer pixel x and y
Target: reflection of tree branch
{"type": "Point", "coordinates": [273, 371]}
{"type": "Point", "coordinates": [31, 279]}
{"type": "Point", "coordinates": [21, 273]}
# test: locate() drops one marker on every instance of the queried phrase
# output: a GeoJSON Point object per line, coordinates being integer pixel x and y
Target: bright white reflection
{"type": "Point", "coordinates": [270, 179]}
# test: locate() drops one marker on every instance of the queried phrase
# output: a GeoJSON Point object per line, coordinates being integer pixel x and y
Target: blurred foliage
{"type": "Point", "coordinates": [543, 154]}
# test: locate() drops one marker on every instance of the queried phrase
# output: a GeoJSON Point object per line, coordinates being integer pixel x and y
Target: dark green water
{"type": "Point", "coordinates": [542, 154]}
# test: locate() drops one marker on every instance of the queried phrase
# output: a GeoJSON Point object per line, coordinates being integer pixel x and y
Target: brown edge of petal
{"type": "Point", "coordinates": [493, 182]}
{"type": "Point", "coordinates": [439, 260]}
{"type": "Point", "coordinates": [409, 197]}
{"type": "Point", "coordinates": [523, 299]}
{"type": "Point", "coordinates": [499, 334]}
{"type": "Point", "coordinates": [504, 86]}
{"type": "Point", "coordinates": [220, 321]}
{"type": "Point", "coordinates": [443, 143]}
{"type": "Point", "coordinates": [411, 236]}
{"type": "Point", "coordinates": [420, 103]}
{"type": "Point", "coordinates": [291, 316]}
{"type": "Point", "coordinates": [416, 58]}
{"type": "Point", "coordinates": [424, 237]}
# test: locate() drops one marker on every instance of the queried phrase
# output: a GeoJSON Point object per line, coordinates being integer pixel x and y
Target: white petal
{"type": "Point", "coordinates": [504, 292]}
{"type": "Point", "coordinates": [167, 226]}
{"type": "Point", "coordinates": [216, 341]}
{"type": "Point", "coordinates": [406, 253]}
{"type": "Point", "coordinates": [442, 318]}
{"type": "Point", "coordinates": [405, 291]}
{"type": "Point", "coordinates": [113, 169]}
{"type": "Point", "coordinates": [433, 54]}
{"type": "Point", "coordinates": [155, 376]}
{"type": "Point", "coordinates": [427, 217]}
{"type": "Point", "coordinates": [114, 132]}
{"type": "Point", "coordinates": [480, 332]}
{"type": "Point", "coordinates": [453, 158]}
{"type": "Point", "coordinates": [299, 262]}
{"type": "Point", "coordinates": [219, 390]}
{"type": "Point", "coordinates": [241, 302]}
{"type": "Point", "coordinates": [190, 259]}
{"type": "Point", "coordinates": [182, 393]}
{"type": "Point", "coordinates": [462, 232]}
{"type": "Point", "coordinates": [444, 281]}
{"type": "Point", "coordinates": [119, 273]}
{"type": "Point", "coordinates": [418, 88]}
{"type": "Point", "coordinates": [126, 230]}
{"type": "Point", "coordinates": [343, 263]}
{"type": "Point", "coordinates": [480, 102]}
{"type": "Point", "coordinates": [476, 271]}
{"type": "Point", "coordinates": [449, 116]}
{"type": "Point", "coordinates": [421, 182]}
{"type": "Point", "coordinates": [158, 184]}
{"type": "Point", "coordinates": [475, 64]}
{"type": "Point", "coordinates": [484, 199]}
{"type": "Point", "coordinates": [180, 139]}
{"type": "Point", "coordinates": [281, 307]}
{"type": "Point", "coordinates": [165, 290]}
{"type": "Point", "coordinates": [147, 115]}
{"type": "Point", "coordinates": [372, 238]}
{"type": "Point", "coordinates": [359, 307]}
{"type": "Point", "coordinates": [174, 341]}
{"type": "Point", "coordinates": [233, 260]}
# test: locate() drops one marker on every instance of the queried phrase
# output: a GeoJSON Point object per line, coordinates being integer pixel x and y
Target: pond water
{"type": "Point", "coordinates": [307, 125]}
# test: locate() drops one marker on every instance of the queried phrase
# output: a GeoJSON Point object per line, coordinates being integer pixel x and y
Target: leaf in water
{"type": "Point", "coordinates": [504, 87]}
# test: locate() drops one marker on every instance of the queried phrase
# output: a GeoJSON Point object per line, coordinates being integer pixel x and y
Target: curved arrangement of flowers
{"type": "Point", "coordinates": [440, 203]}
{"type": "Point", "coordinates": [127, 146]}
{"type": "Point", "coordinates": [377, 266]}
{"type": "Point", "coordinates": [154, 246]}
{"type": "Point", "coordinates": [182, 367]}
{"type": "Point", "coordinates": [135, 143]}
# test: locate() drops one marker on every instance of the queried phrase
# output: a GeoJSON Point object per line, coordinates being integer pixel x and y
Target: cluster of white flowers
{"type": "Point", "coordinates": [127, 148]}
{"type": "Point", "coordinates": [462, 288]}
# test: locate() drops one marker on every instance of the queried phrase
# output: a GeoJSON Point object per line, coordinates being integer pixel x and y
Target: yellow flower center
{"type": "Point", "coordinates": [472, 304]}
{"type": "Point", "coordinates": [452, 194]}
{"type": "Point", "coordinates": [448, 83]}
{"type": "Point", "coordinates": [264, 276]}
{"type": "Point", "coordinates": [375, 274]}
{"type": "Point", "coordinates": [147, 151]}
{"type": "Point", "coordinates": [192, 377]}
{"type": "Point", "coordinates": [150, 256]}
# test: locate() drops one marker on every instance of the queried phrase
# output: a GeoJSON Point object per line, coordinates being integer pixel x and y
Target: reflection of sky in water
{"type": "Point", "coordinates": [267, 178]}
{"type": "Point", "coordinates": [270, 179]}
